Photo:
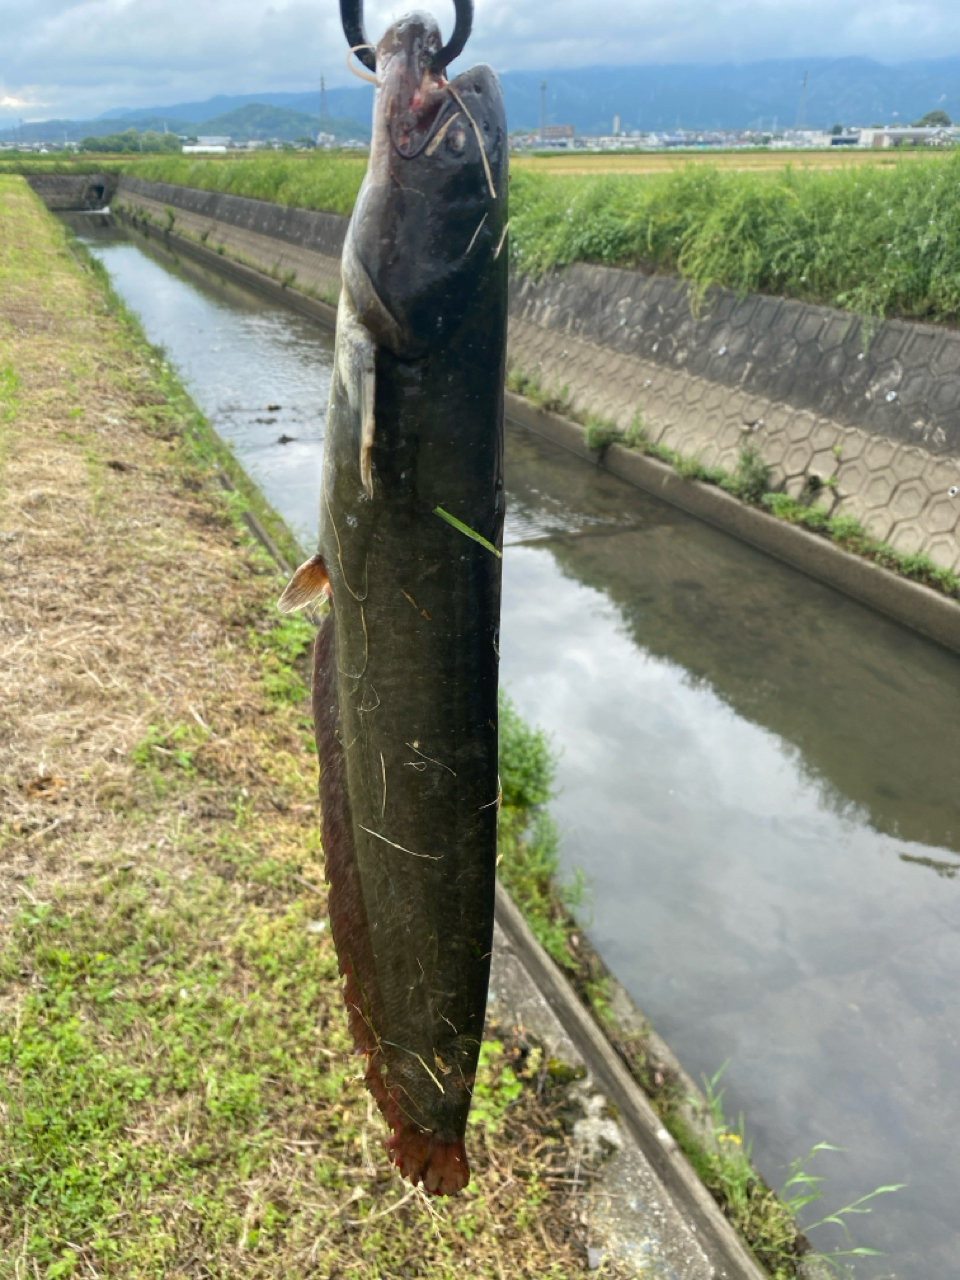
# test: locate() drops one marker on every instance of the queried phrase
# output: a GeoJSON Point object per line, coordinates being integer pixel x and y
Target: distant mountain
{"type": "Point", "coordinates": [258, 121]}
{"type": "Point", "coordinates": [728, 96]}
{"type": "Point", "coordinates": [254, 121]}
{"type": "Point", "coordinates": [759, 94]}
{"type": "Point", "coordinates": [355, 102]}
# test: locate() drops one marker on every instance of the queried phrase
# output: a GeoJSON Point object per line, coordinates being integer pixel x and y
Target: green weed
{"type": "Point", "coordinates": [751, 478]}
{"type": "Point", "coordinates": [636, 436]}
{"type": "Point", "coordinates": [601, 433]}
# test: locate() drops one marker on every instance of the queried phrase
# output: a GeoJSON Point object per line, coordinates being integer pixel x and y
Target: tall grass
{"type": "Point", "coordinates": [881, 240]}
{"type": "Point", "coordinates": [326, 180]}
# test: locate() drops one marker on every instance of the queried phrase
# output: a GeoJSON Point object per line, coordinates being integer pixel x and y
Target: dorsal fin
{"type": "Point", "coordinates": [310, 583]}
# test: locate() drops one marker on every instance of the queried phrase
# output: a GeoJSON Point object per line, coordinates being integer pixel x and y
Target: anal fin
{"type": "Point", "coordinates": [310, 583]}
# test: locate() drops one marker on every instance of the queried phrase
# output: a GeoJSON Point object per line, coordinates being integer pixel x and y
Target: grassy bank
{"type": "Point", "coordinates": [878, 241]}
{"type": "Point", "coordinates": [328, 180]}
{"type": "Point", "coordinates": [177, 1089]}
{"type": "Point", "coordinates": [881, 240]}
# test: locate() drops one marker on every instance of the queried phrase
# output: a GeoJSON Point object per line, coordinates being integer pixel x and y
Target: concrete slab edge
{"type": "Point", "coordinates": [921, 608]}
{"type": "Point", "coordinates": [723, 1246]}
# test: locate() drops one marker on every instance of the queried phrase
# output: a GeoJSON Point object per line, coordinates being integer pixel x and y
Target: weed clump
{"type": "Point", "coordinates": [600, 433]}
{"type": "Point", "coordinates": [751, 479]}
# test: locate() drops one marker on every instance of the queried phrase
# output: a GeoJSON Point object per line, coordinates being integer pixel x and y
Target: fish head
{"type": "Point", "coordinates": [428, 227]}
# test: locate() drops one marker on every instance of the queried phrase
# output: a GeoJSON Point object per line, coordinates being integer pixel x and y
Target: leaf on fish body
{"type": "Point", "coordinates": [465, 528]}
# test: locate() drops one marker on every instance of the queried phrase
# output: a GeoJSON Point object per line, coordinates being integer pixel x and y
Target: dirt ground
{"type": "Point", "coordinates": [178, 1097]}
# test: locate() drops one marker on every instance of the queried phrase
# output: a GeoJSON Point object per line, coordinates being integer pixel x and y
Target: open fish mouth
{"type": "Point", "coordinates": [415, 92]}
{"type": "Point", "coordinates": [410, 63]}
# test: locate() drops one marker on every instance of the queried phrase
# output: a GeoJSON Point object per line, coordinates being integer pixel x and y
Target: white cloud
{"type": "Point", "coordinates": [80, 57]}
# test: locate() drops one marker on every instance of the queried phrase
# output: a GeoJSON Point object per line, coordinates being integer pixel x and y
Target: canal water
{"type": "Point", "coordinates": [757, 777]}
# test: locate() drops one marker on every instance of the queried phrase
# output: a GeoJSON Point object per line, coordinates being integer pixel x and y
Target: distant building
{"type": "Point", "coordinates": [192, 149]}
{"type": "Point", "coordinates": [558, 135]}
{"type": "Point", "coordinates": [214, 141]}
{"type": "Point", "coordinates": [917, 136]}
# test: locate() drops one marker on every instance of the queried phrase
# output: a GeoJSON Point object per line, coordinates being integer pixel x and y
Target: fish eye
{"type": "Point", "coordinates": [954, 490]}
{"type": "Point", "coordinates": [457, 141]}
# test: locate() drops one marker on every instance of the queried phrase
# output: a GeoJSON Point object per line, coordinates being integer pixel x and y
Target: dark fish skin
{"type": "Point", "coordinates": [406, 666]}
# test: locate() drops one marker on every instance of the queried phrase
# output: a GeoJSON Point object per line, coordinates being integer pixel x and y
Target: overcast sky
{"type": "Point", "coordinates": [77, 58]}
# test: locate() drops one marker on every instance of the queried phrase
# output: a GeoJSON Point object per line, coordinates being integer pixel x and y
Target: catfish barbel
{"type": "Point", "coordinates": [411, 525]}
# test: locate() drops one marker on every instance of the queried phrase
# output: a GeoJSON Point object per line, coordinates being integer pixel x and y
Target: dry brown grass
{"type": "Point", "coordinates": [177, 1092]}
{"type": "Point", "coordinates": [753, 161]}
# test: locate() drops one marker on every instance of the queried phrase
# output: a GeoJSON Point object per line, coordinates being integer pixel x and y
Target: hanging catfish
{"type": "Point", "coordinates": [405, 680]}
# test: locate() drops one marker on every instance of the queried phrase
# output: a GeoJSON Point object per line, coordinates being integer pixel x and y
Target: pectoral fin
{"type": "Point", "coordinates": [310, 583]}
{"type": "Point", "coordinates": [368, 422]}
{"type": "Point", "coordinates": [357, 367]}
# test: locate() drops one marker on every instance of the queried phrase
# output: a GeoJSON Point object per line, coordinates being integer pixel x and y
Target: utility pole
{"type": "Point", "coordinates": [802, 112]}
{"type": "Point", "coordinates": [323, 98]}
{"type": "Point", "coordinates": [543, 109]}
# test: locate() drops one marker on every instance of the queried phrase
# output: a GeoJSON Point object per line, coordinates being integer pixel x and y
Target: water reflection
{"type": "Point", "coordinates": [757, 775]}
{"type": "Point", "coordinates": [872, 710]}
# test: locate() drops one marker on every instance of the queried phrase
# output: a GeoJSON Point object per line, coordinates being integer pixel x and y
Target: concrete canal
{"type": "Point", "coordinates": [757, 777]}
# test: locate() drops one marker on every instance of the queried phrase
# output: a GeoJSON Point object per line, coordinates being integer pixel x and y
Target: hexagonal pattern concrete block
{"type": "Point", "coordinates": [797, 459]}
{"type": "Point", "coordinates": [878, 524]}
{"type": "Point", "coordinates": [879, 453]}
{"type": "Point", "coordinates": [852, 475]}
{"type": "Point", "coordinates": [824, 463]}
{"type": "Point", "coordinates": [914, 387]}
{"type": "Point", "coordinates": [947, 359]}
{"type": "Point", "coordinates": [824, 435]}
{"type": "Point", "coordinates": [852, 443]}
{"type": "Point", "coordinates": [877, 491]}
{"type": "Point", "coordinates": [942, 513]}
{"type": "Point", "coordinates": [944, 551]}
{"type": "Point", "coordinates": [944, 397]}
{"type": "Point", "coordinates": [888, 341]}
{"type": "Point", "coordinates": [908, 537]}
{"type": "Point", "coordinates": [773, 449]}
{"type": "Point", "coordinates": [671, 436]}
{"type": "Point", "coordinates": [799, 428]}
{"type": "Point", "coordinates": [942, 475]}
{"type": "Point", "coordinates": [713, 398]}
{"type": "Point", "coordinates": [809, 325]}
{"type": "Point", "coordinates": [908, 463]}
{"type": "Point", "coordinates": [908, 500]}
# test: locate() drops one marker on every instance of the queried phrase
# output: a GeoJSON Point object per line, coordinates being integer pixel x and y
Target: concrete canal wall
{"type": "Point", "coordinates": [297, 248]}
{"type": "Point", "coordinates": [64, 191]}
{"type": "Point", "coordinates": [869, 421]}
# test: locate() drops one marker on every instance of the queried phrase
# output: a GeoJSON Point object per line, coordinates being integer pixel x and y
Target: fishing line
{"type": "Point", "coordinates": [477, 232]}
{"type": "Point", "coordinates": [362, 75]}
{"type": "Point", "coordinates": [442, 133]}
{"type": "Point", "coordinates": [476, 130]}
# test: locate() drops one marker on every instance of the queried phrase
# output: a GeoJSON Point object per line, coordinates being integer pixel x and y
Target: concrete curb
{"type": "Point", "coordinates": [717, 1237]}
{"type": "Point", "coordinates": [925, 610]}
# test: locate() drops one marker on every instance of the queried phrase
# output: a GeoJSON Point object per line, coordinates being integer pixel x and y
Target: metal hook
{"type": "Point", "coordinates": [351, 16]}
